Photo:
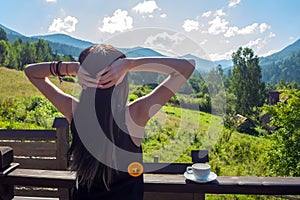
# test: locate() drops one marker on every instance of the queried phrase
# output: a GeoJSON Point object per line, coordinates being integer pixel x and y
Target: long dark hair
{"type": "Point", "coordinates": [87, 167]}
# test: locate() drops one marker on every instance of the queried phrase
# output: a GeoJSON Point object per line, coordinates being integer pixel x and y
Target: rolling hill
{"type": "Point", "coordinates": [283, 65]}
{"type": "Point", "coordinates": [280, 65]}
{"type": "Point", "coordinates": [66, 40]}
{"type": "Point", "coordinates": [57, 45]}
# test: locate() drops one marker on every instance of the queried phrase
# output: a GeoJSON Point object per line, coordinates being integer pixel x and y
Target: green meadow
{"type": "Point", "coordinates": [170, 135]}
{"type": "Point", "coordinates": [14, 84]}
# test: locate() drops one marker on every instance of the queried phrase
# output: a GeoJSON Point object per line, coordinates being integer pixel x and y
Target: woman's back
{"type": "Point", "coordinates": [123, 184]}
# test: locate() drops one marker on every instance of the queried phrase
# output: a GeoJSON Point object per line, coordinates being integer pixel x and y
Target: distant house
{"type": "Point", "coordinates": [244, 124]}
{"type": "Point", "coordinates": [274, 98]}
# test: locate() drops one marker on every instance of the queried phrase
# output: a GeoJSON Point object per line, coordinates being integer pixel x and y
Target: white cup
{"type": "Point", "coordinates": [200, 170]}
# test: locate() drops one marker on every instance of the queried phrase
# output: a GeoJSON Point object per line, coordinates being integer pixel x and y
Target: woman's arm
{"type": "Point", "coordinates": [141, 110]}
{"type": "Point", "coordinates": [38, 75]}
{"type": "Point", "coordinates": [175, 66]}
{"type": "Point", "coordinates": [184, 67]}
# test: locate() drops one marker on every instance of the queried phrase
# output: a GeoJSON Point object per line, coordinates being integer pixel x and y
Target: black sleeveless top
{"type": "Point", "coordinates": [123, 187]}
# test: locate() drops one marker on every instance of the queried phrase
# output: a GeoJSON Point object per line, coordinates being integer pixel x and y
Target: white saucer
{"type": "Point", "coordinates": [212, 176]}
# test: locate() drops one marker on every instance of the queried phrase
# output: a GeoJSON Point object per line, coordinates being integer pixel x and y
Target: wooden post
{"type": "Point", "coordinates": [155, 159]}
{"type": "Point", "coordinates": [6, 158]}
{"type": "Point", "coordinates": [62, 146]}
{"type": "Point", "coordinates": [62, 142]}
{"type": "Point", "coordinates": [200, 156]}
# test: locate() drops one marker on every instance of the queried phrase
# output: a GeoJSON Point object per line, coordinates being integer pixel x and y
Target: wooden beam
{"type": "Point", "coordinates": [224, 185]}
{"type": "Point", "coordinates": [6, 134]}
{"type": "Point", "coordinates": [27, 163]}
{"type": "Point", "coordinates": [32, 148]}
{"type": "Point", "coordinates": [40, 178]}
{"type": "Point", "coordinates": [167, 183]}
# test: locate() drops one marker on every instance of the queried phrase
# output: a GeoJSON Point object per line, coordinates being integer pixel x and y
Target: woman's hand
{"type": "Point", "coordinates": [114, 74]}
{"type": "Point", "coordinates": [86, 80]}
{"type": "Point", "coordinates": [106, 78]}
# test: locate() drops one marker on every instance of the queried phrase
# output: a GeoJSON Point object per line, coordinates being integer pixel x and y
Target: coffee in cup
{"type": "Point", "coordinates": [201, 171]}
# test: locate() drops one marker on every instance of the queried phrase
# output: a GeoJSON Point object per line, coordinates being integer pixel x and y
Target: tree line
{"type": "Point", "coordinates": [17, 54]}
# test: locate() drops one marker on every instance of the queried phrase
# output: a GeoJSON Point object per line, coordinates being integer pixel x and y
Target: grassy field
{"type": "Point", "coordinates": [15, 84]}
{"type": "Point", "coordinates": [171, 130]}
{"type": "Point", "coordinates": [171, 134]}
{"type": "Point", "coordinates": [174, 132]}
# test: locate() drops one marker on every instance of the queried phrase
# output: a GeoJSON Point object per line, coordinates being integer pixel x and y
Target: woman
{"type": "Point", "coordinates": [107, 132]}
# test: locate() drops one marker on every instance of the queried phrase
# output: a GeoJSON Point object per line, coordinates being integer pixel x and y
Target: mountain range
{"type": "Point", "coordinates": [65, 44]}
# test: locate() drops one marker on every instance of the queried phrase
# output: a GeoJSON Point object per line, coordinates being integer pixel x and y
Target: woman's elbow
{"type": "Point", "coordinates": [27, 70]}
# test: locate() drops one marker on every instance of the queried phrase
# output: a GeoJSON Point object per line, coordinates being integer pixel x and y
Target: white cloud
{"type": "Point", "coordinates": [248, 29]}
{"type": "Point", "coordinates": [146, 7]}
{"type": "Point", "coordinates": [164, 15]}
{"type": "Point", "coordinates": [271, 35]}
{"type": "Point", "coordinates": [220, 13]}
{"type": "Point", "coordinates": [232, 31]}
{"type": "Point", "coordinates": [233, 3]}
{"type": "Point", "coordinates": [206, 14]}
{"type": "Point", "coordinates": [253, 28]}
{"type": "Point", "coordinates": [263, 27]}
{"type": "Point", "coordinates": [253, 43]}
{"type": "Point", "coordinates": [51, 1]}
{"type": "Point", "coordinates": [217, 26]}
{"type": "Point", "coordinates": [163, 40]}
{"type": "Point", "coordinates": [190, 25]}
{"type": "Point", "coordinates": [68, 24]}
{"type": "Point", "coordinates": [120, 21]}
{"type": "Point", "coordinates": [257, 44]}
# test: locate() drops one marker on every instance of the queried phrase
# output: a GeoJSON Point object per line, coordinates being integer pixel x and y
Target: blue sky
{"type": "Point", "coordinates": [211, 29]}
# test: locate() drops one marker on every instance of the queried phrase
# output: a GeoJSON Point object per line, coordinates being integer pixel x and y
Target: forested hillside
{"type": "Point", "coordinates": [284, 65]}
{"type": "Point", "coordinates": [57, 47]}
{"type": "Point", "coordinates": [17, 54]}
{"type": "Point", "coordinates": [281, 66]}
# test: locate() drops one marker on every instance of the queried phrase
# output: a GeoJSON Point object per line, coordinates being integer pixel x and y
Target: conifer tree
{"type": "Point", "coordinates": [247, 83]}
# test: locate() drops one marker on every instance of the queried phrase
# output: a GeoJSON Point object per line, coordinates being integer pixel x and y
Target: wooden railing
{"type": "Point", "coordinates": [159, 186]}
{"type": "Point", "coordinates": [39, 149]}
{"type": "Point", "coordinates": [46, 167]}
{"type": "Point", "coordinates": [12, 176]}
